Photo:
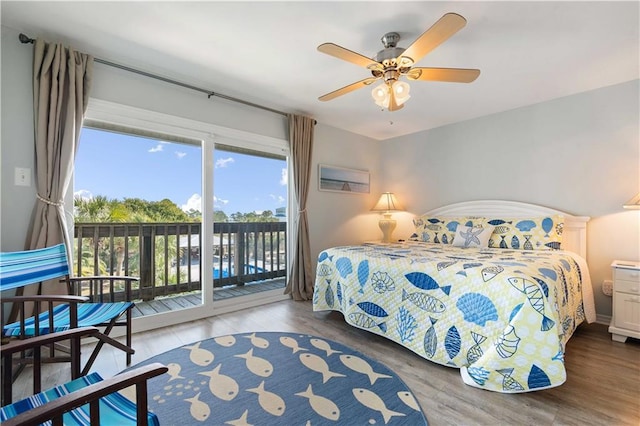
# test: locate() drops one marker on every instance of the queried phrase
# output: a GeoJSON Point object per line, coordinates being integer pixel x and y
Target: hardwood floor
{"type": "Point", "coordinates": [603, 385]}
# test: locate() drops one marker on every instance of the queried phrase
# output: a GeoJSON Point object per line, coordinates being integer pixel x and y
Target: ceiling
{"type": "Point", "coordinates": [265, 52]}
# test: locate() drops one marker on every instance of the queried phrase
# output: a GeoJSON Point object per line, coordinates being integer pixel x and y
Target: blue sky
{"type": "Point", "coordinates": [121, 166]}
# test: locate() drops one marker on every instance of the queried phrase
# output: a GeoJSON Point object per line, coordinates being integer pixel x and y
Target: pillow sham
{"type": "Point", "coordinates": [539, 233]}
{"type": "Point", "coordinates": [441, 230]}
{"type": "Point", "coordinates": [467, 236]}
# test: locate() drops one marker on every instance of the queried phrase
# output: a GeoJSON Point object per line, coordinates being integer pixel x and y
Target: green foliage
{"type": "Point", "coordinates": [265, 216]}
{"type": "Point", "coordinates": [100, 209]}
{"type": "Point", "coordinates": [219, 216]}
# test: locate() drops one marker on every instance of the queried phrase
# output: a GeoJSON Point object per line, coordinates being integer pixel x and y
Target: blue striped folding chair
{"type": "Point", "coordinates": [85, 400]}
{"type": "Point", "coordinates": [87, 303]}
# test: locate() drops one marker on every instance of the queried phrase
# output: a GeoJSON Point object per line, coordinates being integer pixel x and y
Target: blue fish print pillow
{"type": "Point", "coordinates": [539, 233]}
{"type": "Point", "coordinates": [441, 230]}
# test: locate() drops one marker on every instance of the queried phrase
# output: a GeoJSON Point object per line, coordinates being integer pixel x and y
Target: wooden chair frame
{"type": "Point", "coordinates": [55, 409]}
{"type": "Point", "coordinates": [94, 287]}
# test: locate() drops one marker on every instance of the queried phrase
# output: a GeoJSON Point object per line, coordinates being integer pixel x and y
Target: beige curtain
{"type": "Point", "coordinates": [300, 282]}
{"type": "Point", "coordinates": [61, 84]}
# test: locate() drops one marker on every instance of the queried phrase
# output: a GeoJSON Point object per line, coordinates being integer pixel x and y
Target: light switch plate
{"type": "Point", "coordinates": [22, 176]}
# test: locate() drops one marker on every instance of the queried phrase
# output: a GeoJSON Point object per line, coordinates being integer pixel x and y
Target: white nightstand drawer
{"type": "Point", "coordinates": [632, 287]}
{"type": "Point", "coordinates": [627, 274]}
{"type": "Point", "coordinates": [627, 312]}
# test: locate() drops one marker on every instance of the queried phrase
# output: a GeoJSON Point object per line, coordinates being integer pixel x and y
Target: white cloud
{"type": "Point", "coordinates": [85, 194]}
{"type": "Point", "coordinates": [157, 148]}
{"type": "Point", "coordinates": [193, 203]}
{"type": "Point", "coordinates": [284, 177]}
{"type": "Point", "coordinates": [180, 155]}
{"type": "Point", "coordinates": [223, 162]}
{"type": "Point", "coordinates": [218, 202]}
{"type": "Point", "coordinates": [279, 198]}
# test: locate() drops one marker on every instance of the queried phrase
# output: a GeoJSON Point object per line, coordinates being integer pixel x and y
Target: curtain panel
{"type": "Point", "coordinates": [61, 84]}
{"type": "Point", "coordinates": [300, 281]}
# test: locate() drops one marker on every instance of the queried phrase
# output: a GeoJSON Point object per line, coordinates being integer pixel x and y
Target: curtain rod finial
{"type": "Point", "coordinates": [25, 39]}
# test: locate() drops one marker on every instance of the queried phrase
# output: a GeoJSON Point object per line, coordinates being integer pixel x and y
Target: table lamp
{"type": "Point", "coordinates": [387, 203]}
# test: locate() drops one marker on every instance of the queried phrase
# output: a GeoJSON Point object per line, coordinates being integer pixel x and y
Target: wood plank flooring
{"type": "Point", "coordinates": [603, 385]}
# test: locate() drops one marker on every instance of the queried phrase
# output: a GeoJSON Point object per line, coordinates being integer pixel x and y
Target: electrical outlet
{"type": "Point", "coordinates": [607, 287]}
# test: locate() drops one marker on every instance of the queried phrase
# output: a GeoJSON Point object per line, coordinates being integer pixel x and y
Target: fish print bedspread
{"type": "Point", "coordinates": [501, 316]}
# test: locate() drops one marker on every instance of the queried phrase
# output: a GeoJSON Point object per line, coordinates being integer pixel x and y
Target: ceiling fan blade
{"type": "Point", "coordinates": [346, 89]}
{"type": "Point", "coordinates": [348, 55]}
{"type": "Point", "coordinates": [444, 28]}
{"type": "Point", "coordinates": [455, 75]}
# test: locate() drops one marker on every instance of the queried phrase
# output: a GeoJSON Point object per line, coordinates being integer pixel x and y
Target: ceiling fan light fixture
{"type": "Point", "coordinates": [380, 95]}
{"type": "Point", "coordinates": [401, 91]}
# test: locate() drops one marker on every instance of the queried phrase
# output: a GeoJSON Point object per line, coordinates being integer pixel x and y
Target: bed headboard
{"type": "Point", "coordinates": [574, 237]}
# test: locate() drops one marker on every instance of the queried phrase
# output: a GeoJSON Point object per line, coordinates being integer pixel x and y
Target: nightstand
{"type": "Point", "coordinates": [625, 321]}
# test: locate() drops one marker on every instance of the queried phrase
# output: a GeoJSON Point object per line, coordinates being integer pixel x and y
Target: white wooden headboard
{"type": "Point", "coordinates": [574, 237]}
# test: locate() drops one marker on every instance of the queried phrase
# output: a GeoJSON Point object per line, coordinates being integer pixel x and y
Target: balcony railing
{"type": "Point", "coordinates": [166, 256]}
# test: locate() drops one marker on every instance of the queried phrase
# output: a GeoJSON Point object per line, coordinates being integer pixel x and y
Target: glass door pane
{"type": "Point", "coordinates": [137, 212]}
{"type": "Point", "coordinates": [250, 222]}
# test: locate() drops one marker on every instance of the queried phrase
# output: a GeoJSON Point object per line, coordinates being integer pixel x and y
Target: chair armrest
{"type": "Point", "coordinates": [57, 407]}
{"type": "Point", "coordinates": [46, 339]}
{"type": "Point", "coordinates": [45, 298]}
{"type": "Point", "coordinates": [95, 286]}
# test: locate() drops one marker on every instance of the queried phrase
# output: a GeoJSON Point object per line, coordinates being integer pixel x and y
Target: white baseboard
{"type": "Point", "coordinates": [603, 319]}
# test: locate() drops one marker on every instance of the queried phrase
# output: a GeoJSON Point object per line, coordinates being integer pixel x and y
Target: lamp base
{"type": "Point", "coordinates": [387, 225]}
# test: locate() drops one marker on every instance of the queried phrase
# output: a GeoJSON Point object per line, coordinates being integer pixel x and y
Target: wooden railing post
{"type": "Point", "coordinates": [147, 273]}
{"type": "Point", "coordinates": [238, 261]}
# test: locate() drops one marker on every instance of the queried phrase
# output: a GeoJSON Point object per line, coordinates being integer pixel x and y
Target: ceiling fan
{"type": "Point", "coordinates": [393, 62]}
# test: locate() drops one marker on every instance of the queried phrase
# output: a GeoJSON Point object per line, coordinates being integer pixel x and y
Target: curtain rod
{"type": "Point", "coordinates": [26, 40]}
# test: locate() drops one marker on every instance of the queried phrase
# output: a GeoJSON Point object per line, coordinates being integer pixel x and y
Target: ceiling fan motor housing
{"type": "Point", "coordinates": [388, 58]}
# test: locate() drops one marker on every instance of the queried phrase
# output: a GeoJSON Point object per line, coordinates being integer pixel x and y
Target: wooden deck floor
{"type": "Point", "coordinates": [187, 300]}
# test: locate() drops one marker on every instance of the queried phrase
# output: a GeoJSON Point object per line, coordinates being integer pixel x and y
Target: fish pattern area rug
{"type": "Point", "coordinates": [270, 378]}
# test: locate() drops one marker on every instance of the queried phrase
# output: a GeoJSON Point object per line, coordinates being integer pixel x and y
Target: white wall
{"type": "Point", "coordinates": [16, 138]}
{"type": "Point", "coordinates": [337, 218]}
{"type": "Point", "coordinates": [579, 154]}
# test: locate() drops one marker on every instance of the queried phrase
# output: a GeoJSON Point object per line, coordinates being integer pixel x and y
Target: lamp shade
{"type": "Point", "coordinates": [633, 203]}
{"type": "Point", "coordinates": [380, 95]}
{"type": "Point", "coordinates": [401, 91]}
{"type": "Point", "coordinates": [387, 202]}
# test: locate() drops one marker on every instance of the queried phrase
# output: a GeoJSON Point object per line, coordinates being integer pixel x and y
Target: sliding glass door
{"type": "Point", "coordinates": [197, 211]}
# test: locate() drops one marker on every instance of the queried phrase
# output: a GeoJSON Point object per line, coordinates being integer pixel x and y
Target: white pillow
{"type": "Point", "coordinates": [466, 236]}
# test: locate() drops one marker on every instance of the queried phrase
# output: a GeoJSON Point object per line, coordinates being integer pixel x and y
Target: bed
{"type": "Point", "coordinates": [494, 288]}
